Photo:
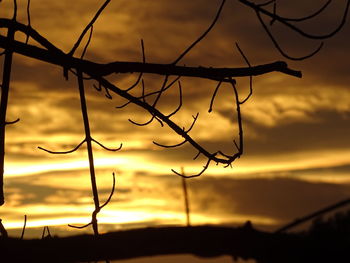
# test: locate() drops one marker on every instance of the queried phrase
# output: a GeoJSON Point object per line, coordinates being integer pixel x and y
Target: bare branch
{"type": "Point", "coordinates": [309, 16]}
{"type": "Point", "coordinates": [12, 122]}
{"type": "Point", "coordinates": [277, 46]}
{"type": "Point", "coordinates": [141, 73]}
{"type": "Point", "coordinates": [258, 9]}
{"type": "Point", "coordinates": [205, 167]}
{"type": "Point", "coordinates": [88, 42]}
{"type": "Point", "coordinates": [80, 227]}
{"type": "Point", "coordinates": [63, 152]}
{"type": "Point", "coordinates": [76, 45]}
{"type": "Point", "coordinates": [111, 194]}
{"type": "Point", "coordinates": [28, 17]}
{"type": "Point", "coordinates": [213, 97]}
{"type": "Point", "coordinates": [203, 35]}
{"type": "Point", "coordinates": [106, 148]}
{"type": "Point", "coordinates": [180, 102]}
{"type": "Point", "coordinates": [170, 146]}
{"type": "Point", "coordinates": [193, 123]}
{"type": "Point", "coordinates": [58, 58]}
{"type": "Point", "coordinates": [250, 77]}
{"type": "Point", "coordinates": [14, 17]}
{"type": "Point", "coordinates": [24, 227]}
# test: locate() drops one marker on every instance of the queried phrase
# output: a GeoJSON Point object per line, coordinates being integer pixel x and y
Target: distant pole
{"type": "Point", "coordinates": [187, 206]}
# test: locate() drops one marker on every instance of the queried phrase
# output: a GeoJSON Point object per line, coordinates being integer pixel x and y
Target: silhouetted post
{"type": "Point", "coordinates": [187, 206]}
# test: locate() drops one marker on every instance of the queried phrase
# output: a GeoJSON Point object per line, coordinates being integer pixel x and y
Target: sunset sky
{"type": "Point", "coordinates": [296, 131]}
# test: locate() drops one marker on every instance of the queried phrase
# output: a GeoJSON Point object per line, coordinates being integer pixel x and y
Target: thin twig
{"type": "Point", "coordinates": [278, 47]}
{"type": "Point", "coordinates": [88, 140]}
{"type": "Point", "coordinates": [28, 17]}
{"type": "Point", "coordinates": [24, 226]}
{"type": "Point", "coordinates": [257, 8]}
{"type": "Point", "coordinates": [63, 152]}
{"type": "Point", "coordinates": [250, 77]}
{"type": "Point", "coordinates": [106, 148]}
{"type": "Point", "coordinates": [180, 102]}
{"type": "Point", "coordinates": [213, 97]}
{"type": "Point", "coordinates": [203, 35]}
{"type": "Point", "coordinates": [111, 194]}
{"type": "Point", "coordinates": [170, 146]}
{"type": "Point", "coordinates": [317, 213]}
{"type": "Point", "coordinates": [76, 45]}
{"type": "Point", "coordinates": [87, 43]}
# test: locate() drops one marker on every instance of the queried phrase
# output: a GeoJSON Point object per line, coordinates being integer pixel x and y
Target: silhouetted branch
{"type": "Point", "coordinates": [76, 45]}
{"type": "Point", "coordinates": [55, 56]}
{"type": "Point", "coordinates": [63, 152]}
{"type": "Point", "coordinates": [192, 124]}
{"type": "Point", "coordinates": [285, 22]}
{"type": "Point", "coordinates": [111, 194]}
{"type": "Point", "coordinates": [12, 122]}
{"type": "Point", "coordinates": [205, 167]}
{"type": "Point", "coordinates": [250, 77]}
{"type": "Point", "coordinates": [24, 227]}
{"type": "Point", "coordinates": [106, 148]}
{"type": "Point", "coordinates": [313, 215]}
{"type": "Point", "coordinates": [301, 19]}
{"type": "Point", "coordinates": [80, 227]}
{"type": "Point", "coordinates": [214, 96]}
{"type": "Point", "coordinates": [278, 47]}
{"type": "Point", "coordinates": [5, 87]}
{"type": "Point", "coordinates": [14, 17]}
{"type": "Point", "coordinates": [88, 42]}
{"type": "Point", "coordinates": [141, 73]}
{"type": "Point", "coordinates": [203, 35]}
{"type": "Point", "coordinates": [28, 17]}
{"type": "Point", "coordinates": [88, 140]}
{"type": "Point", "coordinates": [180, 102]}
{"type": "Point", "coordinates": [170, 146]}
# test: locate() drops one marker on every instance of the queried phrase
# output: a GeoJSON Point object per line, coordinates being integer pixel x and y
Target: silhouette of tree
{"type": "Point", "coordinates": [83, 69]}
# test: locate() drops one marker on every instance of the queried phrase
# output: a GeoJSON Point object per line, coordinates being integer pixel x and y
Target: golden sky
{"type": "Point", "coordinates": [297, 148]}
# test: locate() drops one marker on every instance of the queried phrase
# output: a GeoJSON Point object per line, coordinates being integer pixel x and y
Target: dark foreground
{"type": "Point", "coordinates": [205, 241]}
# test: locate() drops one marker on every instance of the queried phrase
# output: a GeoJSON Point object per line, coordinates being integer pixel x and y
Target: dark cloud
{"type": "Point", "coordinates": [281, 199]}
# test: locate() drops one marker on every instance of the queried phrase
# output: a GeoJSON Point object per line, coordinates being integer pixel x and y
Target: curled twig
{"type": "Point", "coordinates": [170, 146]}
{"type": "Point", "coordinates": [205, 167]}
{"type": "Point", "coordinates": [106, 148]}
{"type": "Point", "coordinates": [111, 194]}
{"type": "Point", "coordinates": [12, 122]}
{"type": "Point", "coordinates": [80, 227]}
{"type": "Point", "coordinates": [63, 152]}
{"type": "Point", "coordinates": [141, 73]}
